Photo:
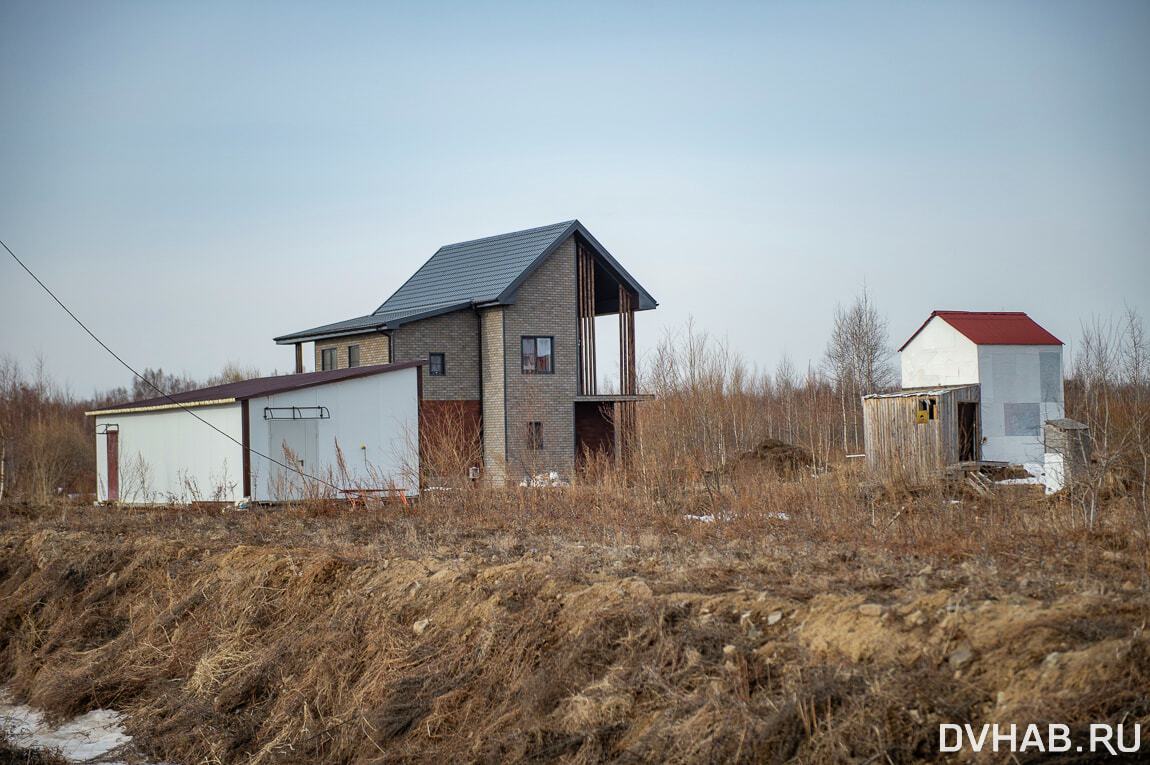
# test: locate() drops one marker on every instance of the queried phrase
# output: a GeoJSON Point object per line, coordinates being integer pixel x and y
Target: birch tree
{"type": "Point", "coordinates": [858, 358]}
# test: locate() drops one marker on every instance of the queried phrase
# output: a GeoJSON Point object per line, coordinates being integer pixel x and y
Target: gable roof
{"type": "Point", "coordinates": [257, 386]}
{"type": "Point", "coordinates": [484, 271]}
{"type": "Point", "coordinates": [992, 328]}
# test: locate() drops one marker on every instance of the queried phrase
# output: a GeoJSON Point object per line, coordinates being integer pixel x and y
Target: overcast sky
{"type": "Point", "coordinates": [195, 178]}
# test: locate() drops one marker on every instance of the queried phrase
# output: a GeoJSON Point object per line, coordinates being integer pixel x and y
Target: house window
{"type": "Point", "coordinates": [327, 359]}
{"type": "Point", "coordinates": [537, 355]}
{"type": "Point", "coordinates": [437, 364]}
{"type": "Point", "coordinates": [534, 435]}
{"type": "Point", "coordinates": [353, 355]}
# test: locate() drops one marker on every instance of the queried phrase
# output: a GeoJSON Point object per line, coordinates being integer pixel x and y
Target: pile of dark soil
{"type": "Point", "coordinates": [778, 456]}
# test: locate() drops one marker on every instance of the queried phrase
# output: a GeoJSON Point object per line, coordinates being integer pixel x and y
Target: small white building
{"type": "Point", "coordinates": [354, 428]}
{"type": "Point", "coordinates": [1016, 364]}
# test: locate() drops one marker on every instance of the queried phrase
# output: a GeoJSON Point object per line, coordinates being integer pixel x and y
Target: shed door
{"type": "Point", "coordinates": [967, 431]}
{"type": "Point", "coordinates": [301, 439]}
{"type": "Point", "coordinates": [113, 465]}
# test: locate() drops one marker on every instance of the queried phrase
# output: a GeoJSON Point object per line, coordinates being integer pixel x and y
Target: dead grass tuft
{"type": "Point", "coordinates": [813, 619]}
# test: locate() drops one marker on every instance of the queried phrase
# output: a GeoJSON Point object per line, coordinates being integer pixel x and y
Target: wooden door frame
{"type": "Point", "coordinates": [112, 438]}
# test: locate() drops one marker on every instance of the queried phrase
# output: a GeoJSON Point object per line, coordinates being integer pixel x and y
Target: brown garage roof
{"type": "Point", "coordinates": [257, 386]}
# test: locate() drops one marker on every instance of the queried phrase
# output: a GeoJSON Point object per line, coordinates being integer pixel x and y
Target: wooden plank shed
{"type": "Point", "coordinates": [916, 434]}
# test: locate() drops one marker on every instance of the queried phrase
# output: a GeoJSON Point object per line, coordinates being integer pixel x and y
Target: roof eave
{"type": "Point", "coordinates": [307, 338]}
{"type": "Point", "coordinates": [646, 301]}
{"type": "Point", "coordinates": [161, 407]}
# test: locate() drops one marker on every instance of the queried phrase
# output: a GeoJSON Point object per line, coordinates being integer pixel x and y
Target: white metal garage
{"type": "Point", "coordinates": [349, 428]}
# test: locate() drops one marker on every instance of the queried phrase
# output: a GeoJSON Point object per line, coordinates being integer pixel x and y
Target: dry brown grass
{"type": "Point", "coordinates": [580, 624]}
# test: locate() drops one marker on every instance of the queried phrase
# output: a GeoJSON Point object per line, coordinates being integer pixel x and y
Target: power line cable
{"type": "Point", "coordinates": [155, 387]}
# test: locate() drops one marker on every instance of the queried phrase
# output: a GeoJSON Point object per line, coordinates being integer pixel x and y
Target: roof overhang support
{"type": "Point", "coordinates": [299, 358]}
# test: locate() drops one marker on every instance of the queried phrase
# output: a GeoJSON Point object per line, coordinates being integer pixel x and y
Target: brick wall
{"type": "Point", "coordinates": [545, 305]}
{"type": "Point", "coordinates": [372, 349]}
{"type": "Point", "coordinates": [456, 335]}
{"type": "Point", "coordinates": [494, 374]}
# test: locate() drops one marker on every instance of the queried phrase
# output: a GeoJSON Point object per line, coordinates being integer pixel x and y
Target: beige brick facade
{"type": "Point", "coordinates": [545, 305]}
{"type": "Point", "coordinates": [372, 349]}
{"type": "Point", "coordinates": [456, 335]}
{"type": "Point", "coordinates": [494, 414]}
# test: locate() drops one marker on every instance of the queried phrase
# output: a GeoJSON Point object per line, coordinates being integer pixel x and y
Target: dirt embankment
{"type": "Point", "coordinates": [506, 648]}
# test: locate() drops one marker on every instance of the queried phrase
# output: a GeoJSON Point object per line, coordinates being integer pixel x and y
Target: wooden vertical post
{"type": "Point", "coordinates": [586, 303]}
{"type": "Point", "coordinates": [298, 358]}
{"type": "Point", "coordinates": [628, 379]}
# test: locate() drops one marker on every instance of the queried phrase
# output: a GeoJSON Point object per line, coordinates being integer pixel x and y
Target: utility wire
{"type": "Point", "coordinates": [155, 387]}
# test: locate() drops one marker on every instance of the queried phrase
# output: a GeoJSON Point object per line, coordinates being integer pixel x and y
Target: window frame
{"type": "Point", "coordinates": [534, 435]}
{"type": "Point", "coordinates": [323, 358]}
{"type": "Point", "coordinates": [926, 409]}
{"type": "Point", "coordinates": [535, 344]}
{"type": "Point", "coordinates": [442, 364]}
{"type": "Point", "coordinates": [350, 348]}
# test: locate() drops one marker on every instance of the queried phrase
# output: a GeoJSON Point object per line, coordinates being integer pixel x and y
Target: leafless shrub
{"type": "Point", "coordinates": [1110, 392]}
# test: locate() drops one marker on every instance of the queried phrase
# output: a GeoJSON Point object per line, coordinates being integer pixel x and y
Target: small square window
{"type": "Point", "coordinates": [927, 410]}
{"type": "Point", "coordinates": [537, 358]}
{"type": "Point", "coordinates": [437, 364]}
{"type": "Point", "coordinates": [327, 359]}
{"type": "Point", "coordinates": [534, 435]}
{"type": "Point", "coordinates": [353, 355]}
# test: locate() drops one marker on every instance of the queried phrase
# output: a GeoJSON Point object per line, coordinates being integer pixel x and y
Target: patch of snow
{"type": "Point", "coordinates": [551, 478]}
{"type": "Point", "coordinates": [710, 518]}
{"type": "Point", "coordinates": [1037, 476]}
{"type": "Point", "coordinates": [87, 738]}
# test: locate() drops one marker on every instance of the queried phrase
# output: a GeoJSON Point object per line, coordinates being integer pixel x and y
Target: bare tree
{"type": "Point", "coordinates": [858, 357]}
{"type": "Point", "coordinates": [158, 378]}
{"type": "Point", "coordinates": [9, 380]}
{"type": "Point", "coordinates": [1110, 392]}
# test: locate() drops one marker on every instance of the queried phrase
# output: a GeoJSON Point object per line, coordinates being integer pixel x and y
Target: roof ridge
{"type": "Point", "coordinates": [980, 313]}
{"type": "Point", "coordinates": [564, 224]}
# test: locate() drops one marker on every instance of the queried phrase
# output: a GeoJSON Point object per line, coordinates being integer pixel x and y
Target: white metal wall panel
{"type": "Point", "coordinates": [374, 420]}
{"type": "Point", "coordinates": [1012, 386]}
{"type": "Point", "coordinates": [170, 456]}
{"type": "Point", "coordinates": [939, 355]}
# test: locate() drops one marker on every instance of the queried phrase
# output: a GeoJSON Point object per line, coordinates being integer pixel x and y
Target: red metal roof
{"type": "Point", "coordinates": [263, 386]}
{"type": "Point", "coordinates": [993, 328]}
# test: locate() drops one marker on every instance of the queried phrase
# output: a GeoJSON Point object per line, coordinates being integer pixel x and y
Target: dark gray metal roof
{"type": "Point", "coordinates": [478, 272]}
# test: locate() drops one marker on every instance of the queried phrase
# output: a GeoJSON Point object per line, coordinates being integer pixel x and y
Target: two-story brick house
{"type": "Point", "coordinates": [505, 325]}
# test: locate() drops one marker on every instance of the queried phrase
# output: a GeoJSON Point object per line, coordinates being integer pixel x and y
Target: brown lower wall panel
{"type": "Point", "coordinates": [594, 429]}
{"type": "Point", "coordinates": [450, 435]}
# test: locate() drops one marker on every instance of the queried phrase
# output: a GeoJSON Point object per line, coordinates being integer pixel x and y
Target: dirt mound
{"type": "Point", "coordinates": [777, 456]}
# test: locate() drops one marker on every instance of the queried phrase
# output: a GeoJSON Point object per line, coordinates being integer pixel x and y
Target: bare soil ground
{"type": "Point", "coordinates": [560, 625]}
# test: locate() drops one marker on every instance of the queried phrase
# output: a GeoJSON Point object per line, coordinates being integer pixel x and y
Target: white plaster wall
{"type": "Point", "coordinates": [170, 456]}
{"type": "Point", "coordinates": [939, 355]}
{"type": "Point", "coordinates": [1011, 374]}
{"type": "Point", "coordinates": [379, 413]}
